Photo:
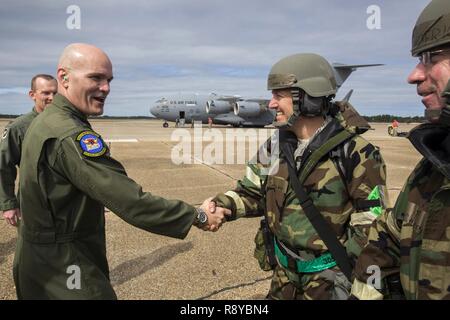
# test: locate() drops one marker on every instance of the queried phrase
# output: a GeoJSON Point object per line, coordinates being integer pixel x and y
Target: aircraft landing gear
{"type": "Point", "coordinates": [165, 125]}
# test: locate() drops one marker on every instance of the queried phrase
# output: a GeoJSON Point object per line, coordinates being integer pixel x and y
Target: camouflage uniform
{"type": "Point", "coordinates": [411, 243]}
{"type": "Point", "coordinates": [414, 238]}
{"type": "Point", "coordinates": [272, 194]}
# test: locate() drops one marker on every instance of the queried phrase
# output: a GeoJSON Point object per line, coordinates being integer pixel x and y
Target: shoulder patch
{"type": "Point", "coordinates": [91, 143]}
{"type": "Point", "coordinates": [5, 133]}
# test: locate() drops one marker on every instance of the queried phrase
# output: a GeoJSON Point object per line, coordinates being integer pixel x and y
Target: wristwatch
{"type": "Point", "coordinates": [201, 218]}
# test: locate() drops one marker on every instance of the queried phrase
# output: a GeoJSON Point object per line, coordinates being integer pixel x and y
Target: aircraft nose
{"type": "Point", "coordinates": [153, 110]}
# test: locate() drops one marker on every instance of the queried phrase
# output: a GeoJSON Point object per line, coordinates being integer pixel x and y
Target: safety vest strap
{"type": "Point", "coordinates": [322, 151]}
{"type": "Point", "coordinates": [323, 262]}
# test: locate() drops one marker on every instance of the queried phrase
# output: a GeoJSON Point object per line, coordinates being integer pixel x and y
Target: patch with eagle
{"type": "Point", "coordinates": [91, 143]}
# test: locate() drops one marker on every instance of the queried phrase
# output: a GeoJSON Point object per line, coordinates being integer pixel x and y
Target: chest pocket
{"type": "Point", "coordinates": [276, 189]}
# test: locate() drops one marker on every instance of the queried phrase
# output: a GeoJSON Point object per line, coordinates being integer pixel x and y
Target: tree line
{"type": "Point", "coordinates": [389, 118]}
{"type": "Point", "coordinates": [379, 118]}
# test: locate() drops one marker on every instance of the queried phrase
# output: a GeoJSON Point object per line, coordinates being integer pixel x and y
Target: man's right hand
{"type": "Point", "coordinates": [216, 215]}
{"type": "Point", "coordinates": [12, 216]}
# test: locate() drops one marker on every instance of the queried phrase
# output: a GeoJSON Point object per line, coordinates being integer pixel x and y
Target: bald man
{"type": "Point", "coordinates": [68, 177]}
{"type": "Point", "coordinates": [43, 88]}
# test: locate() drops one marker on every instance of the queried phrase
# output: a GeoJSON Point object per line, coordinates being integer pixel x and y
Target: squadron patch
{"type": "Point", "coordinates": [91, 144]}
{"type": "Point", "coordinates": [5, 133]}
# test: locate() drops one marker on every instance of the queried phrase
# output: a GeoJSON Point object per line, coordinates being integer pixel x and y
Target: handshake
{"type": "Point", "coordinates": [210, 217]}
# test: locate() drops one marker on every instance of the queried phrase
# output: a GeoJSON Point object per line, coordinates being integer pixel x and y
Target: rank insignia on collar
{"type": "Point", "coordinates": [91, 144]}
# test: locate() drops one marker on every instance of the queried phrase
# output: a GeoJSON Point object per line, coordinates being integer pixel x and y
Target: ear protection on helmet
{"type": "Point", "coordinates": [313, 106]}
{"type": "Point", "coordinates": [309, 106]}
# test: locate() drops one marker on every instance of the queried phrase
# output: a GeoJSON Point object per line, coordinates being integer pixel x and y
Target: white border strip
{"type": "Point", "coordinates": [121, 140]}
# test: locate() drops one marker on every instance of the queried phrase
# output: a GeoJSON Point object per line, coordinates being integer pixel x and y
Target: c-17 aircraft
{"type": "Point", "coordinates": [228, 110]}
{"type": "Point", "coordinates": [221, 109]}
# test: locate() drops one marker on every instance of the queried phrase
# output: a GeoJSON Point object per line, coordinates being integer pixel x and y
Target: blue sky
{"type": "Point", "coordinates": [162, 47]}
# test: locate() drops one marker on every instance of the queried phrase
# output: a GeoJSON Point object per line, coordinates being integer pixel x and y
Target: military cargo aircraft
{"type": "Point", "coordinates": [228, 110]}
{"type": "Point", "coordinates": [221, 109]}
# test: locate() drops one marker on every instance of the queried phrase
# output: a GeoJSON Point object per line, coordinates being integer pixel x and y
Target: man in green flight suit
{"type": "Point", "coordinates": [43, 88]}
{"type": "Point", "coordinates": [338, 171]}
{"type": "Point", "coordinates": [408, 254]}
{"type": "Point", "coordinates": [67, 178]}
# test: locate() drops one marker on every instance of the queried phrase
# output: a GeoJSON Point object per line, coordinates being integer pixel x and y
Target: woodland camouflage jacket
{"type": "Point", "coordinates": [266, 190]}
{"type": "Point", "coordinates": [414, 238]}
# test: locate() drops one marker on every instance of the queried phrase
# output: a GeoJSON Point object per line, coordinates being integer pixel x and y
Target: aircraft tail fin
{"type": "Point", "coordinates": [348, 96]}
{"type": "Point", "coordinates": [351, 116]}
{"type": "Point", "coordinates": [343, 71]}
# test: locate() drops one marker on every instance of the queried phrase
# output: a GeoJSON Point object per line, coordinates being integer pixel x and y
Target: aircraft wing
{"type": "Point", "coordinates": [257, 100]}
{"type": "Point", "coordinates": [228, 118]}
{"type": "Point", "coordinates": [229, 98]}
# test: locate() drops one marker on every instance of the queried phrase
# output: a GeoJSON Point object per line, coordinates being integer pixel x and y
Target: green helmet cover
{"type": "Point", "coordinates": [307, 71]}
{"type": "Point", "coordinates": [432, 28]}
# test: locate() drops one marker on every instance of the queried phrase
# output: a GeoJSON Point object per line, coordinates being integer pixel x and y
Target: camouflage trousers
{"type": "Point", "coordinates": [330, 284]}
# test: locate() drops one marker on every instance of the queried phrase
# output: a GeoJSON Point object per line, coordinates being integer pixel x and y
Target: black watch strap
{"type": "Point", "coordinates": [201, 219]}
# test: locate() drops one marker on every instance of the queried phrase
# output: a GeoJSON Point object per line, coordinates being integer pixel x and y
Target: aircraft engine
{"type": "Point", "coordinates": [217, 107]}
{"type": "Point", "coordinates": [246, 108]}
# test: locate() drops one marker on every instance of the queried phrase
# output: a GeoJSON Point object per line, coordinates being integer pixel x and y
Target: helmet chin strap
{"type": "Point", "coordinates": [445, 116]}
{"type": "Point", "coordinates": [442, 115]}
{"type": "Point", "coordinates": [289, 123]}
{"type": "Point", "coordinates": [296, 108]}
{"type": "Point", "coordinates": [431, 115]}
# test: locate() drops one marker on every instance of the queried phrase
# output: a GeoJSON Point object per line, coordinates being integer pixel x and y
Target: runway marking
{"type": "Point", "coordinates": [121, 140]}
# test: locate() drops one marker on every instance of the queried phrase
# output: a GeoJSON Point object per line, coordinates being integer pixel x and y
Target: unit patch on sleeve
{"type": "Point", "coordinates": [91, 144]}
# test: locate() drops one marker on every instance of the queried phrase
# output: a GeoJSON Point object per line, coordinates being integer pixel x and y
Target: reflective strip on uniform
{"type": "Point", "coordinates": [252, 177]}
{"type": "Point", "coordinates": [384, 196]}
{"type": "Point", "coordinates": [364, 291]}
{"type": "Point", "coordinates": [392, 225]}
{"type": "Point", "coordinates": [5, 133]}
{"type": "Point", "coordinates": [240, 207]}
{"type": "Point", "coordinates": [375, 195]}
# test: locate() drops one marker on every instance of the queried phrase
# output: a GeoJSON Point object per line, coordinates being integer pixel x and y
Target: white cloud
{"type": "Point", "coordinates": [161, 47]}
{"type": "Point", "coordinates": [20, 90]}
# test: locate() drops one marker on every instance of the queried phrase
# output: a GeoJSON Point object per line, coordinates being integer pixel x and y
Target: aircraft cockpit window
{"type": "Point", "coordinates": [162, 100]}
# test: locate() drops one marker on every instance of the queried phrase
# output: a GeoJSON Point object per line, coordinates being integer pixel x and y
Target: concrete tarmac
{"type": "Point", "coordinates": [204, 265]}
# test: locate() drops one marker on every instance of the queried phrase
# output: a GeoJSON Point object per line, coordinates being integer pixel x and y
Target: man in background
{"type": "Point", "coordinates": [43, 88]}
{"type": "Point", "coordinates": [410, 245]}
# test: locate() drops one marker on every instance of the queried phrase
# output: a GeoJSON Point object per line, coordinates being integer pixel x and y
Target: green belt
{"type": "Point", "coordinates": [323, 262]}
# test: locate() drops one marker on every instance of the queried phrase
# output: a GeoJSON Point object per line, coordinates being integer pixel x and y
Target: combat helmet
{"type": "Point", "coordinates": [311, 80]}
{"type": "Point", "coordinates": [432, 31]}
